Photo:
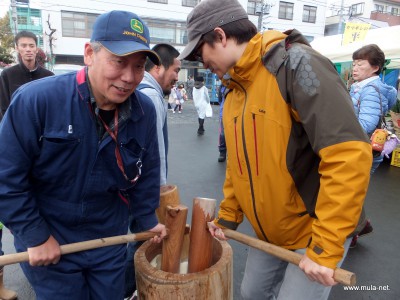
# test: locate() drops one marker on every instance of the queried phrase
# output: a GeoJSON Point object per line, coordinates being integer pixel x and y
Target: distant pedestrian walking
{"type": "Point", "coordinates": [221, 137]}
{"type": "Point", "coordinates": [201, 99]}
{"type": "Point", "coordinates": [180, 98]}
{"type": "Point", "coordinates": [190, 85]}
{"type": "Point", "coordinates": [171, 99]}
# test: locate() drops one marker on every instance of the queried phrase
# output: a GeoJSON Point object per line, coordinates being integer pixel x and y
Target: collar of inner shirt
{"type": "Point", "coordinates": [124, 109]}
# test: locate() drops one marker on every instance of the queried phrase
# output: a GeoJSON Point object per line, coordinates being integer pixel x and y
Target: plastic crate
{"type": "Point", "coordinates": [396, 157]}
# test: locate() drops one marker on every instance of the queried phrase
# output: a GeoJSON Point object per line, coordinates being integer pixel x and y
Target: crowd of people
{"type": "Point", "coordinates": [84, 155]}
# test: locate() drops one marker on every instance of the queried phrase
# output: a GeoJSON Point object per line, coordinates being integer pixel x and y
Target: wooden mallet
{"type": "Point", "coordinates": [340, 275]}
{"type": "Point", "coordinates": [82, 246]}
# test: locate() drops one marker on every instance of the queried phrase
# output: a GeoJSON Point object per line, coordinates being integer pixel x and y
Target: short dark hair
{"type": "Point", "coordinates": [26, 34]}
{"type": "Point", "coordinates": [167, 54]}
{"type": "Point", "coordinates": [242, 31]}
{"type": "Point", "coordinates": [373, 54]}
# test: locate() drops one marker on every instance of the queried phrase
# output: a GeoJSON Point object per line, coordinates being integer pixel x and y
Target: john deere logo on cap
{"type": "Point", "coordinates": [137, 25]}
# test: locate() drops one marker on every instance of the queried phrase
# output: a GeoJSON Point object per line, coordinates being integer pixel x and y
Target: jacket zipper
{"type": "Point", "coordinates": [255, 141]}
{"type": "Point", "coordinates": [248, 163]}
{"type": "Point", "coordinates": [237, 151]}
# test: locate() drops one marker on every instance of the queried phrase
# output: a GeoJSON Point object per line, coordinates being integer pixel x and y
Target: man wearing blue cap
{"type": "Point", "coordinates": [79, 153]}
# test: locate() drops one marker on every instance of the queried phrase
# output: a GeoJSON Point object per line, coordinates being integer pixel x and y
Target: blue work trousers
{"type": "Point", "coordinates": [90, 275]}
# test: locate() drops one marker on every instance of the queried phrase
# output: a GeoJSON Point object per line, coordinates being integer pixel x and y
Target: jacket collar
{"type": "Point", "coordinates": [244, 70]}
{"type": "Point", "coordinates": [26, 70]}
{"type": "Point", "coordinates": [150, 80]}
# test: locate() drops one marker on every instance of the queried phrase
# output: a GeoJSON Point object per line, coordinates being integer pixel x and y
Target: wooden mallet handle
{"type": "Point", "coordinates": [82, 246]}
{"type": "Point", "coordinates": [340, 275]}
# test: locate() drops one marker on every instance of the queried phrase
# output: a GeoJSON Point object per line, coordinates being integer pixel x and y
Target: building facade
{"type": "Point", "coordinates": [65, 26]}
{"type": "Point", "coordinates": [381, 13]}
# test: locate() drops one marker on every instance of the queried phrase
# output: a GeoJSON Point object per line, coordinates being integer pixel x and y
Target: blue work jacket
{"type": "Point", "coordinates": [58, 178]}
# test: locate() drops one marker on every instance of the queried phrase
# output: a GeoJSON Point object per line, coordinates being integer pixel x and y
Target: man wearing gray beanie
{"type": "Point", "coordinates": [292, 141]}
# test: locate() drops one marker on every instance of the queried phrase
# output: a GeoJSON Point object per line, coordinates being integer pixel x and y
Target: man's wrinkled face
{"type": "Point", "coordinates": [27, 48]}
{"type": "Point", "coordinates": [168, 77]}
{"type": "Point", "coordinates": [113, 78]}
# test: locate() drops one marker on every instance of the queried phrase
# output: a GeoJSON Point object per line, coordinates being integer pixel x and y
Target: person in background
{"type": "Point", "coordinates": [190, 86]}
{"type": "Point", "coordinates": [157, 82]}
{"type": "Point", "coordinates": [221, 136]}
{"type": "Point", "coordinates": [180, 94]}
{"type": "Point", "coordinates": [78, 156]}
{"type": "Point", "coordinates": [371, 100]}
{"type": "Point", "coordinates": [201, 99]}
{"type": "Point", "coordinates": [171, 99]}
{"type": "Point", "coordinates": [5, 294]}
{"type": "Point", "coordinates": [27, 70]}
{"type": "Point", "coordinates": [298, 165]}
{"type": "Point", "coordinates": [11, 79]}
{"type": "Point", "coordinates": [183, 92]}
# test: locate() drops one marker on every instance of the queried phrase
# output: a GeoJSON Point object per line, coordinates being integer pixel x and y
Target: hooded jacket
{"type": "Point", "coordinates": [152, 89]}
{"type": "Point", "coordinates": [298, 161]}
{"type": "Point", "coordinates": [371, 101]}
{"type": "Point", "coordinates": [58, 178]}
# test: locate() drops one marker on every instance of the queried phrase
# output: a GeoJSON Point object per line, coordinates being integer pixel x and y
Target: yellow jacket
{"type": "Point", "coordinates": [293, 141]}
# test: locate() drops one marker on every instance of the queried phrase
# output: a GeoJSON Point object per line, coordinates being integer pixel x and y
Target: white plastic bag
{"type": "Point", "coordinates": [209, 111]}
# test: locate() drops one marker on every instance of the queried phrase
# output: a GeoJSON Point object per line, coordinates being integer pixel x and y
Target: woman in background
{"type": "Point", "coordinates": [371, 99]}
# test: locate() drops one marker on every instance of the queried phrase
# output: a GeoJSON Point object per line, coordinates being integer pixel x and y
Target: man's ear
{"type": "Point", "coordinates": [155, 71]}
{"type": "Point", "coordinates": [221, 36]}
{"type": "Point", "coordinates": [88, 54]}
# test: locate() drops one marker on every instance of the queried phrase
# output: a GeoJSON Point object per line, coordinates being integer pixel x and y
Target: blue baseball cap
{"type": "Point", "coordinates": [123, 33]}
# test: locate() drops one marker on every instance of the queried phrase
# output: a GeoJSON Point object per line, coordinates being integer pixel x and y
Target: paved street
{"type": "Point", "coordinates": [193, 167]}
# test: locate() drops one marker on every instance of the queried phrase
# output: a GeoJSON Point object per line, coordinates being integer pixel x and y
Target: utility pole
{"type": "Point", "coordinates": [262, 9]}
{"type": "Point", "coordinates": [14, 16]}
{"type": "Point", "coordinates": [340, 27]}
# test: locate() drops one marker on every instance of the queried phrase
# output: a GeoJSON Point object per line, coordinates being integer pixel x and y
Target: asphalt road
{"type": "Point", "coordinates": [193, 167]}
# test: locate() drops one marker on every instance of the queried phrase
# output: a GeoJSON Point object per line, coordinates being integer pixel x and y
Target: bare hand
{"type": "Point", "coordinates": [159, 228]}
{"type": "Point", "coordinates": [216, 231]}
{"type": "Point", "coordinates": [45, 254]}
{"type": "Point", "coordinates": [316, 272]}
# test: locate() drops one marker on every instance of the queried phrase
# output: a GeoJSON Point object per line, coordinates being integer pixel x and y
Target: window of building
{"type": "Point", "coordinates": [379, 8]}
{"type": "Point", "coordinates": [76, 24]}
{"type": "Point", "coordinates": [30, 19]}
{"type": "Point", "coordinates": [395, 11]}
{"type": "Point", "coordinates": [163, 31]}
{"type": "Point", "coordinates": [190, 3]}
{"type": "Point", "coordinates": [357, 9]}
{"type": "Point", "coordinates": [252, 6]}
{"type": "Point", "coordinates": [309, 14]}
{"type": "Point", "coordinates": [285, 10]}
{"type": "Point", "coordinates": [23, 20]}
{"type": "Point", "coordinates": [159, 1]}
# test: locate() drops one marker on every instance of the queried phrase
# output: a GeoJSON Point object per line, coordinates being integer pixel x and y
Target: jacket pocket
{"type": "Point", "coordinates": [132, 153]}
{"type": "Point", "coordinates": [236, 127]}
{"type": "Point", "coordinates": [256, 136]}
{"type": "Point", "coordinates": [58, 160]}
